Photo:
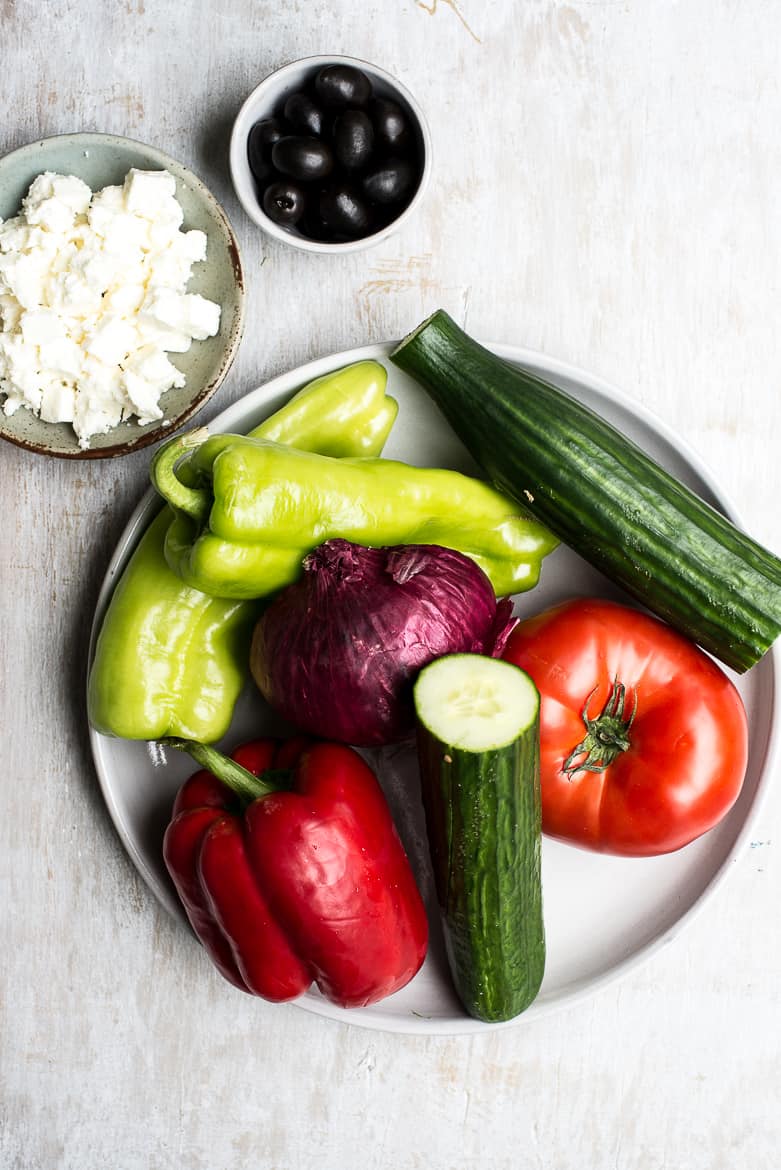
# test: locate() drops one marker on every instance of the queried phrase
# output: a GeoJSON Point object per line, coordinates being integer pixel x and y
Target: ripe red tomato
{"type": "Point", "coordinates": [643, 738]}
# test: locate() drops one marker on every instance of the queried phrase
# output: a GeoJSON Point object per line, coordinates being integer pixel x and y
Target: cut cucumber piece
{"type": "Point", "coordinates": [474, 703]}
{"type": "Point", "coordinates": [478, 747]}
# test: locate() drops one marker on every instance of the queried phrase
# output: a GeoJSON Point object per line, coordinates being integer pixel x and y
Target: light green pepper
{"type": "Point", "coordinates": [171, 660]}
{"type": "Point", "coordinates": [344, 414]}
{"type": "Point", "coordinates": [251, 509]}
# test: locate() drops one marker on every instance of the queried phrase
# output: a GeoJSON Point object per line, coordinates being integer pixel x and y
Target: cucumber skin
{"type": "Point", "coordinates": [484, 825]}
{"type": "Point", "coordinates": [601, 495]}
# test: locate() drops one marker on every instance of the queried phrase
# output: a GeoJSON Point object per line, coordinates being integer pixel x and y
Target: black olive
{"type": "Point", "coordinates": [391, 127]}
{"type": "Point", "coordinates": [353, 139]}
{"type": "Point", "coordinates": [262, 171]}
{"type": "Point", "coordinates": [303, 115]}
{"type": "Point", "coordinates": [344, 211]}
{"type": "Point", "coordinates": [260, 140]}
{"type": "Point", "coordinates": [390, 181]}
{"type": "Point", "coordinates": [338, 86]}
{"type": "Point", "coordinates": [284, 203]}
{"type": "Point", "coordinates": [312, 226]}
{"type": "Point", "coordinates": [302, 158]}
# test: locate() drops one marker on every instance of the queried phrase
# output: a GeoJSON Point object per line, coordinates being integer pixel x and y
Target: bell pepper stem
{"type": "Point", "coordinates": [246, 785]}
{"type": "Point", "coordinates": [194, 502]}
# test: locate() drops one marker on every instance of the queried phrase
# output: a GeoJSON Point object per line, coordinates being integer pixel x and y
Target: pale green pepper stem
{"type": "Point", "coordinates": [245, 784]}
{"type": "Point", "coordinates": [194, 502]}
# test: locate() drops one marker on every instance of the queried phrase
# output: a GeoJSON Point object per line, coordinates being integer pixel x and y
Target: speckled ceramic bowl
{"type": "Point", "coordinates": [102, 159]}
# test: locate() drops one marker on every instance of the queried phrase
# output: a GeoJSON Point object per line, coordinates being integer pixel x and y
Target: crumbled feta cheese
{"type": "Point", "coordinates": [93, 296]}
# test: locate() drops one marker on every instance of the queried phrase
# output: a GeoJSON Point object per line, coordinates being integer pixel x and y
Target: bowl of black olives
{"type": "Point", "coordinates": [330, 154]}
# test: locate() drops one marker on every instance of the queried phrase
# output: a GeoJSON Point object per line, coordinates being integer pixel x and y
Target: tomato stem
{"type": "Point", "coordinates": [607, 735]}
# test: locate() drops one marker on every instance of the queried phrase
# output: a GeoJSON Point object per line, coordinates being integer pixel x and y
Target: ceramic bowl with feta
{"type": "Point", "coordinates": [121, 295]}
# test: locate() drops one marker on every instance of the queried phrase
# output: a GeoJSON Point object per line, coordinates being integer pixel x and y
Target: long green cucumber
{"type": "Point", "coordinates": [601, 495]}
{"type": "Point", "coordinates": [478, 747]}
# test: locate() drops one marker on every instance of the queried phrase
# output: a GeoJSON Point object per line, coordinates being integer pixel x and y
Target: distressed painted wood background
{"type": "Point", "coordinates": [606, 190]}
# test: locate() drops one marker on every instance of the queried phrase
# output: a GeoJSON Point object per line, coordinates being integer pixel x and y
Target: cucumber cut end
{"type": "Point", "coordinates": [475, 703]}
{"type": "Point", "coordinates": [413, 333]}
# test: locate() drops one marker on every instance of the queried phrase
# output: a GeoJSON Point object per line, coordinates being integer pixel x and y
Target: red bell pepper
{"type": "Point", "coordinates": [289, 887]}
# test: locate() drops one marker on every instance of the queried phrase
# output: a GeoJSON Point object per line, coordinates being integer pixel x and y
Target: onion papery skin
{"type": "Point", "coordinates": [337, 653]}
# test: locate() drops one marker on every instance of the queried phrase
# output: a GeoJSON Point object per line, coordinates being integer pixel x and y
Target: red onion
{"type": "Point", "coordinates": [337, 652]}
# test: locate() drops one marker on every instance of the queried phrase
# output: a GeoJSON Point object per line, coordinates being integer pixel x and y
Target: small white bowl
{"type": "Point", "coordinates": [266, 99]}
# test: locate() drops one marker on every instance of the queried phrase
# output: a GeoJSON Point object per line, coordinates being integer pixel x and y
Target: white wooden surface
{"type": "Point", "coordinates": [606, 190]}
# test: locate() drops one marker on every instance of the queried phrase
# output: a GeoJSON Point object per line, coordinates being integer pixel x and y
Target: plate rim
{"type": "Point", "coordinates": [371, 1018]}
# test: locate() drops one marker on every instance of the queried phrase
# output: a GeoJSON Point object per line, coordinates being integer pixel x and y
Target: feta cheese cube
{"type": "Point", "coordinates": [40, 326]}
{"type": "Point", "coordinates": [58, 402]}
{"type": "Point", "coordinates": [146, 192]}
{"type": "Point", "coordinates": [28, 382]}
{"type": "Point", "coordinates": [63, 358]}
{"type": "Point", "coordinates": [13, 398]}
{"type": "Point", "coordinates": [193, 245]}
{"type": "Point", "coordinates": [124, 299]}
{"type": "Point", "coordinates": [144, 397]}
{"type": "Point", "coordinates": [152, 332]}
{"type": "Point", "coordinates": [170, 270]}
{"type": "Point", "coordinates": [109, 198]}
{"type": "Point", "coordinates": [111, 340]}
{"type": "Point", "coordinates": [104, 209]}
{"type": "Point", "coordinates": [67, 189]}
{"type": "Point", "coordinates": [53, 215]}
{"type": "Point", "coordinates": [41, 189]}
{"type": "Point", "coordinates": [14, 235]}
{"type": "Point", "coordinates": [202, 316]}
{"type": "Point", "coordinates": [164, 229]}
{"type": "Point", "coordinates": [153, 366]}
{"type": "Point", "coordinates": [184, 312]}
{"type": "Point", "coordinates": [25, 276]}
{"type": "Point", "coordinates": [73, 192]}
{"type": "Point", "coordinates": [74, 296]}
{"type": "Point", "coordinates": [95, 416]}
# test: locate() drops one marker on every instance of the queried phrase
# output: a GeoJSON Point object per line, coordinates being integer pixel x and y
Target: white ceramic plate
{"type": "Point", "coordinates": [603, 915]}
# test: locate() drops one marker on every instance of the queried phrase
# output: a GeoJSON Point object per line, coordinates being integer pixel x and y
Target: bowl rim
{"type": "Point", "coordinates": [242, 177]}
{"type": "Point", "coordinates": [167, 162]}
